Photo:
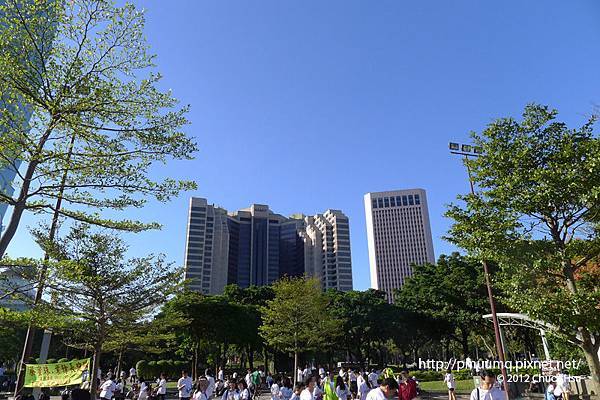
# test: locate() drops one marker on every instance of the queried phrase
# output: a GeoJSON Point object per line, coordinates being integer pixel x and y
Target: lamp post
{"type": "Point", "coordinates": [467, 150]}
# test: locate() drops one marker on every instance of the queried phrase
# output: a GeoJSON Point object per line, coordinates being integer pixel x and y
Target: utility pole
{"type": "Point", "coordinates": [467, 151]}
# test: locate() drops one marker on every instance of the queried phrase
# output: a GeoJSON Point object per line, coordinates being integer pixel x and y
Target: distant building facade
{"type": "Point", "coordinates": [399, 235]}
{"type": "Point", "coordinates": [255, 246]}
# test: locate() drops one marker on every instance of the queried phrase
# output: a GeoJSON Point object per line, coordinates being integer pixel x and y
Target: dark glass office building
{"type": "Point", "coordinates": [255, 246]}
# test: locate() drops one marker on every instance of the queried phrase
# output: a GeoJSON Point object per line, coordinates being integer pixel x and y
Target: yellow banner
{"type": "Point", "coordinates": [52, 375]}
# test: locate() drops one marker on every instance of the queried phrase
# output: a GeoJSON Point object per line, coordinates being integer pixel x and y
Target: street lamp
{"type": "Point", "coordinates": [467, 150]}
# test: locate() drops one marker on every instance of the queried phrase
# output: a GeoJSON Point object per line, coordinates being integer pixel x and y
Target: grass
{"type": "Point", "coordinates": [465, 386]}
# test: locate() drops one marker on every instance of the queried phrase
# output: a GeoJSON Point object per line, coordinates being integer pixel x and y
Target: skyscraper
{"type": "Point", "coordinates": [327, 255]}
{"type": "Point", "coordinates": [255, 246]}
{"type": "Point", "coordinates": [399, 235]}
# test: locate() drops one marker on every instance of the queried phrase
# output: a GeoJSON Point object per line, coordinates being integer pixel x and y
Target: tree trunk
{"type": "Point", "coordinates": [195, 364]}
{"type": "Point", "coordinates": [464, 342]}
{"type": "Point", "coordinates": [224, 359]}
{"type": "Point", "coordinates": [295, 367]}
{"type": "Point", "coordinates": [593, 360]}
{"type": "Point", "coordinates": [251, 357]}
{"type": "Point", "coordinates": [266, 358]}
{"type": "Point", "coordinates": [21, 203]}
{"type": "Point", "coordinates": [94, 374]}
{"type": "Point", "coordinates": [119, 361]}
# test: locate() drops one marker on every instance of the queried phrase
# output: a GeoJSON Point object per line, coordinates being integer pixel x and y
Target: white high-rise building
{"type": "Point", "coordinates": [327, 249]}
{"type": "Point", "coordinates": [399, 235]}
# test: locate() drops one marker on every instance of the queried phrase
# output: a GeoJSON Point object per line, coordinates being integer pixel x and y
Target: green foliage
{"type": "Point", "coordinates": [451, 292]}
{"type": "Point", "coordinates": [368, 320]}
{"type": "Point", "coordinates": [81, 108]}
{"type": "Point", "coordinates": [99, 291]}
{"type": "Point", "coordinates": [142, 368]}
{"type": "Point", "coordinates": [298, 318]}
{"type": "Point", "coordinates": [537, 216]}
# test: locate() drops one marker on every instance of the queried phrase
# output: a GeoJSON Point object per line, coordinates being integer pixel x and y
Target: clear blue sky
{"type": "Point", "coordinates": [308, 105]}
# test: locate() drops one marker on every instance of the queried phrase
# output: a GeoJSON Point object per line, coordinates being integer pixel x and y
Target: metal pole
{"type": "Point", "coordinates": [545, 344]}
{"type": "Point", "coordinates": [488, 284]}
{"type": "Point", "coordinates": [43, 356]}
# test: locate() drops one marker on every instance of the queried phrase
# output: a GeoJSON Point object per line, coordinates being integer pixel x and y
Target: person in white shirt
{"type": "Point", "coordinates": [285, 390]}
{"type": "Point", "coordinates": [388, 390]}
{"type": "Point", "coordinates": [563, 388]}
{"type": "Point", "coordinates": [341, 391]}
{"type": "Point", "coordinates": [306, 373]}
{"type": "Point", "coordinates": [161, 390]}
{"type": "Point", "coordinates": [211, 383]}
{"type": "Point", "coordinates": [487, 390]}
{"type": "Point", "coordinates": [231, 393]}
{"type": "Point", "coordinates": [248, 378]}
{"type": "Point", "coordinates": [184, 386]}
{"type": "Point", "coordinates": [275, 389]}
{"type": "Point", "coordinates": [299, 377]}
{"type": "Point", "coordinates": [143, 394]}
{"type": "Point", "coordinates": [449, 379]}
{"type": "Point", "coordinates": [108, 388]}
{"type": "Point", "coordinates": [373, 376]}
{"type": "Point", "coordinates": [201, 392]}
{"type": "Point", "coordinates": [220, 374]}
{"type": "Point", "coordinates": [244, 391]}
{"type": "Point", "coordinates": [132, 374]}
{"type": "Point", "coordinates": [309, 392]}
{"type": "Point", "coordinates": [364, 386]}
{"type": "Point", "coordinates": [322, 372]}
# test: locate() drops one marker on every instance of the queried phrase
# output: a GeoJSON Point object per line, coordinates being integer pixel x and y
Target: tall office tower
{"type": "Point", "coordinates": [399, 235]}
{"type": "Point", "coordinates": [256, 246]}
{"type": "Point", "coordinates": [262, 246]}
{"type": "Point", "coordinates": [327, 255]}
{"type": "Point", "coordinates": [207, 247]}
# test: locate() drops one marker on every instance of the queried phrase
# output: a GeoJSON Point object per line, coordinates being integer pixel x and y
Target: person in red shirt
{"type": "Point", "coordinates": [408, 387]}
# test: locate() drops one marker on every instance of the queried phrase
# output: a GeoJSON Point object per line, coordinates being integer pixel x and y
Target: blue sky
{"type": "Point", "coordinates": [308, 105]}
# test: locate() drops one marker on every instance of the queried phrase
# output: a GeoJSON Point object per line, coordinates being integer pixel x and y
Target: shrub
{"type": "Point", "coordinates": [142, 368]}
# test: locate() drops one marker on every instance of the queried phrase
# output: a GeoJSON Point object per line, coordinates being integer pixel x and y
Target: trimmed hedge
{"type": "Point", "coordinates": [152, 369]}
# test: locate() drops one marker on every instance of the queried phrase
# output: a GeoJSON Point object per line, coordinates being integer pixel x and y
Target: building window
{"type": "Point", "coordinates": [386, 201]}
{"type": "Point", "coordinates": [379, 203]}
{"type": "Point", "coordinates": [374, 203]}
{"type": "Point", "coordinates": [410, 200]}
{"type": "Point", "coordinates": [417, 199]}
{"type": "Point", "coordinates": [404, 201]}
{"type": "Point", "coordinates": [393, 201]}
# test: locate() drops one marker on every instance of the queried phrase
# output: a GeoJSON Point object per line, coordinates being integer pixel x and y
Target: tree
{"type": "Point", "coordinates": [368, 320]}
{"type": "Point", "coordinates": [298, 318]}
{"type": "Point", "coordinates": [210, 323]}
{"type": "Point", "coordinates": [451, 292]}
{"type": "Point", "coordinates": [537, 215]}
{"type": "Point", "coordinates": [81, 108]}
{"type": "Point", "coordinates": [91, 283]}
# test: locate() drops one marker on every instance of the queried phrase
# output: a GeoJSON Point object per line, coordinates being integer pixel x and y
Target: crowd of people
{"type": "Point", "coordinates": [308, 383]}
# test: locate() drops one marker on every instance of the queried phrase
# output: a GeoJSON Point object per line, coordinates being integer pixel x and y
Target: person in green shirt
{"type": "Point", "coordinates": [329, 387]}
{"type": "Point", "coordinates": [255, 377]}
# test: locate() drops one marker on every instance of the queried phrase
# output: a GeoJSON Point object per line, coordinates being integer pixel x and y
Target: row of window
{"type": "Point", "coordinates": [397, 201]}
